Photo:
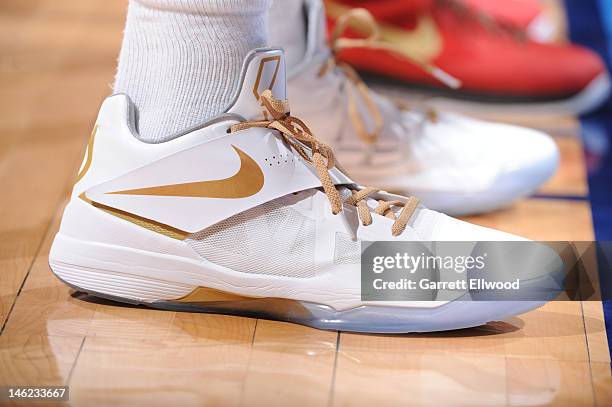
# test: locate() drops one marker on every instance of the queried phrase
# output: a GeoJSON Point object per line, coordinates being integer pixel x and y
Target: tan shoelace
{"type": "Point", "coordinates": [338, 43]}
{"type": "Point", "coordinates": [297, 134]}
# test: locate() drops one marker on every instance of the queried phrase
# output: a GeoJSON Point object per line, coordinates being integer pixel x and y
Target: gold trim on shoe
{"type": "Point", "coordinates": [139, 221]}
{"type": "Point", "coordinates": [205, 294]}
{"type": "Point", "coordinates": [212, 300]}
{"type": "Point", "coordinates": [89, 153]}
{"type": "Point", "coordinates": [262, 63]}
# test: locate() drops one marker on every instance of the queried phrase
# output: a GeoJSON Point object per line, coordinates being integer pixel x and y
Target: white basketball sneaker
{"type": "Point", "coordinates": [452, 163]}
{"type": "Point", "coordinates": [245, 214]}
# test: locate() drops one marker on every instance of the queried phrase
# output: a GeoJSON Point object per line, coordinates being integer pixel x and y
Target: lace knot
{"type": "Point", "coordinates": [297, 134]}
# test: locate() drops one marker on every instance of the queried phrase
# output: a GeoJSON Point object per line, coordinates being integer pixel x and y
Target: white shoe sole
{"type": "Point", "coordinates": [157, 280]}
{"type": "Point", "coordinates": [589, 99]}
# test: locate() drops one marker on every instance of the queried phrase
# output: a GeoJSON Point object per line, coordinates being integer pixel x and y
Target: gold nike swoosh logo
{"type": "Point", "coordinates": [423, 43]}
{"type": "Point", "coordinates": [248, 181]}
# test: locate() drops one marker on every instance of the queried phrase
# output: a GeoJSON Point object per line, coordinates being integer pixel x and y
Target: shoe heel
{"type": "Point", "coordinates": [69, 261]}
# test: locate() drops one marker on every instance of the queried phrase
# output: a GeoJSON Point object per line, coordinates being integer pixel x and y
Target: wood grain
{"type": "Point", "coordinates": [542, 219]}
{"type": "Point", "coordinates": [57, 59]}
{"type": "Point", "coordinates": [48, 104]}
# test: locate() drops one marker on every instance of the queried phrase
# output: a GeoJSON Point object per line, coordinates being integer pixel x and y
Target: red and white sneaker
{"type": "Point", "coordinates": [493, 63]}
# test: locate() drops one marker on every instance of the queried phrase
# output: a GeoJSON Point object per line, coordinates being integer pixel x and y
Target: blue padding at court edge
{"type": "Point", "coordinates": [590, 24]}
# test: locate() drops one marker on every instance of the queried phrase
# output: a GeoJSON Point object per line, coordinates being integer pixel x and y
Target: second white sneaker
{"type": "Point", "coordinates": [452, 163]}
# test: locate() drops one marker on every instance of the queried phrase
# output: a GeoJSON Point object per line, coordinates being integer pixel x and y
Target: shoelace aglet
{"type": "Point", "coordinates": [444, 77]}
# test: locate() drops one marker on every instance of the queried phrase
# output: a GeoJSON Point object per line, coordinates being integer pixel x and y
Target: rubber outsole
{"type": "Point", "coordinates": [585, 101]}
{"type": "Point", "coordinates": [458, 314]}
{"type": "Point", "coordinates": [163, 281]}
{"type": "Point", "coordinates": [325, 318]}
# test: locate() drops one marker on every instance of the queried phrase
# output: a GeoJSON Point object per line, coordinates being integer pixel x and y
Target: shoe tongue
{"type": "Point", "coordinates": [316, 29]}
{"type": "Point", "coordinates": [263, 69]}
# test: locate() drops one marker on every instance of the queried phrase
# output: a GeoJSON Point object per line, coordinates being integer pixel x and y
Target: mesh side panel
{"type": "Point", "coordinates": [269, 239]}
{"type": "Point", "coordinates": [346, 251]}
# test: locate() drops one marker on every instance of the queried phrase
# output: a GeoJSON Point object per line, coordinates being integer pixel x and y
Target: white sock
{"type": "Point", "coordinates": [287, 29]}
{"type": "Point", "coordinates": [180, 60]}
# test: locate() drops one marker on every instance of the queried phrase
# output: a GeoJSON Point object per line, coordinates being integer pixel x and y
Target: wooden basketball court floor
{"type": "Point", "coordinates": [57, 60]}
